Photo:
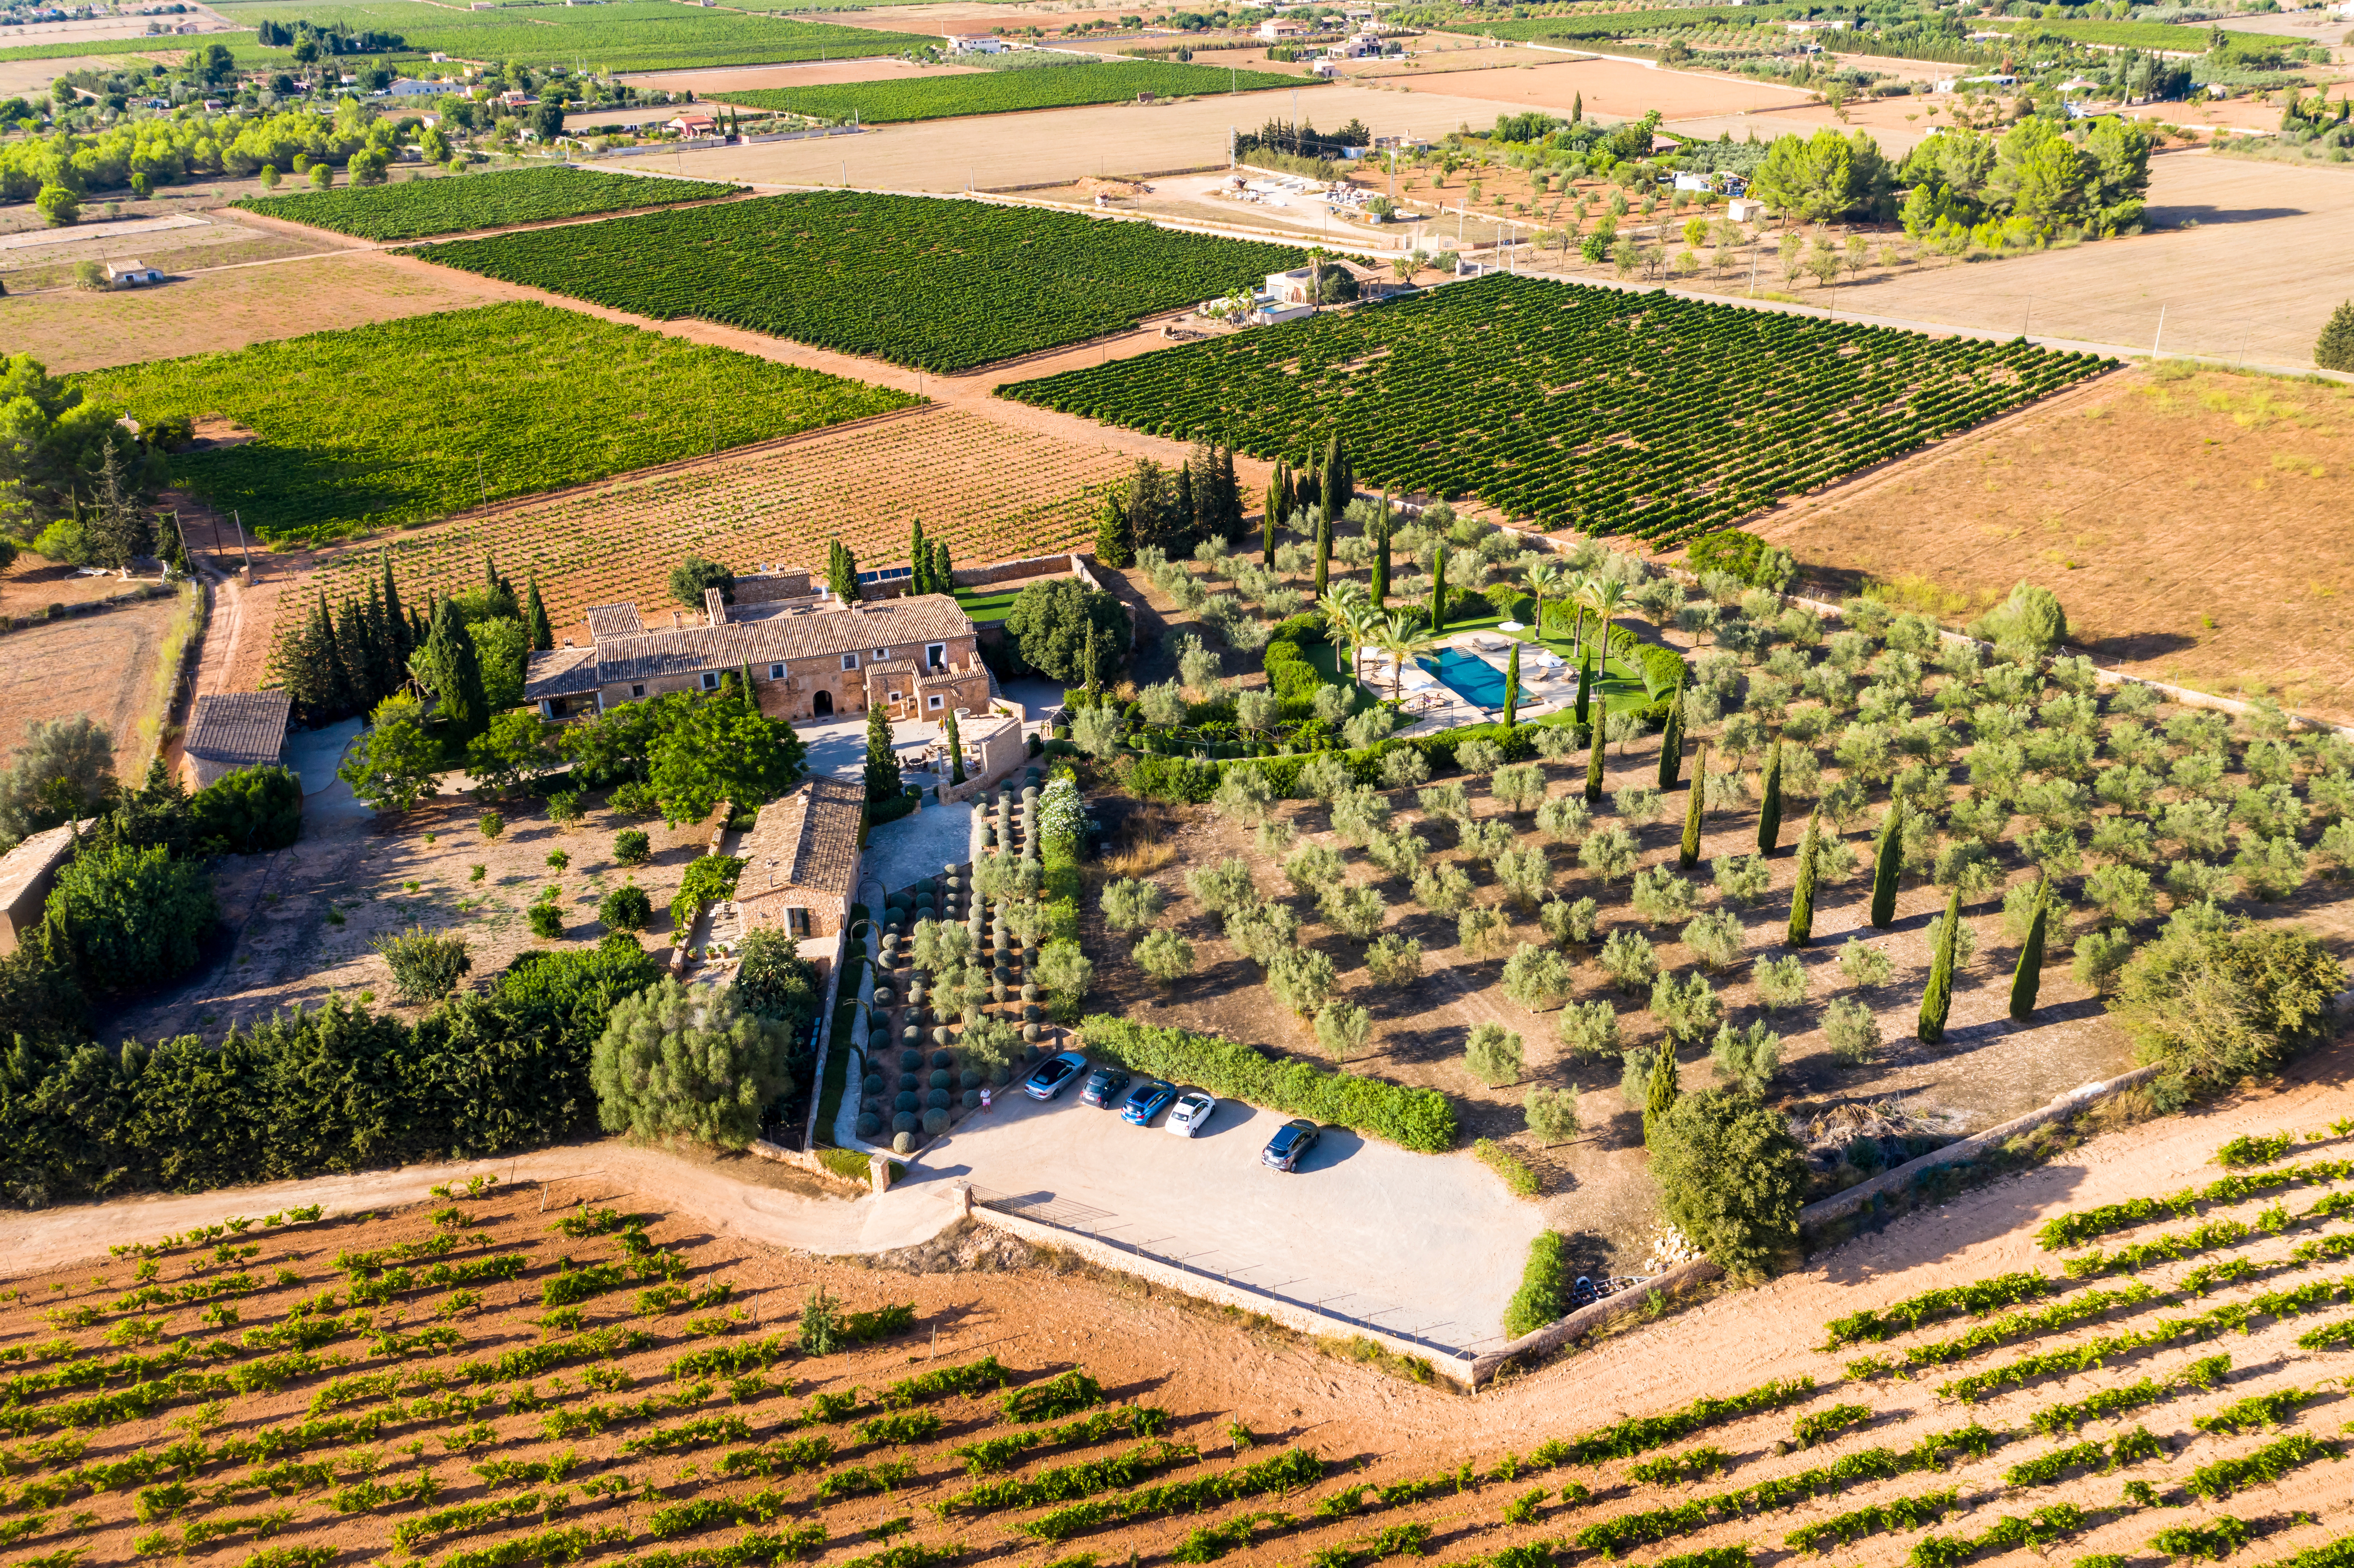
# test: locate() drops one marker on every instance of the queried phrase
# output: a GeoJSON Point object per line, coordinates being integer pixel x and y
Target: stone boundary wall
{"type": "Point", "coordinates": [1594, 1314]}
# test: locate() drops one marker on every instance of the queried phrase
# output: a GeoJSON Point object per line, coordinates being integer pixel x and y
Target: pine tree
{"type": "Point", "coordinates": [920, 560]}
{"type": "Point", "coordinates": [395, 620]}
{"type": "Point", "coordinates": [1594, 763]}
{"type": "Point", "coordinates": [1278, 498]}
{"type": "Point", "coordinates": [1513, 685]}
{"type": "Point", "coordinates": [2027, 977]}
{"type": "Point", "coordinates": [882, 763]}
{"type": "Point", "coordinates": [1381, 584]}
{"type": "Point", "coordinates": [1887, 859]}
{"type": "Point", "coordinates": [1660, 1097]}
{"type": "Point", "coordinates": [1439, 587]}
{"type": "Point", "coordinates": [1769, 808]}
{"type": "Point", "coordinates": [1938, 998]}
{"type": "Point", "coordinates": [1115, 540]}
{"type": "Point", "coordinates": [1802, 895]}
{"type": "Point", "coordinates": [2335, 349]}
{"type": "Point", "coordinates": [956, 750]}
{"type": "Point", "coordinates": [534, 617]}
{"type": "Point", "coordinates": [1695, 803]}
{"type": "Point", "coordinates": [1671, 740]}
{"type": "Point", "coordinates": [1585, 686]}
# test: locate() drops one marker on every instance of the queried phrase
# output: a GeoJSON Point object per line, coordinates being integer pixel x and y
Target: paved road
{"type": "Point", "coordinates": [1412, 1241]}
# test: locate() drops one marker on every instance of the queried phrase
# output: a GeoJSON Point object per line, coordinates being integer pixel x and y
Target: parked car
{"type": "Point", "coordinates": [1104, 1087]}
{"type": "Point", "coordinates": [1052, 1075]}
{"type": "Point", "coordinates": [1291, 1142]}
{"type": "Point", "coordinates": [1191, 1114]}
{"type": "Point", "coordinates": [1147, 1100]}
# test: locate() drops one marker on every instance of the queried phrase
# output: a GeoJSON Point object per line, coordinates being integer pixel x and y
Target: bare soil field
{"type": "Point", "coordinates": [30, 583]}
{"type": "Point", "coordinates": [659, 1451]}
{"type": "Point", "coordinates": [103, 665]}
{"type": "Point", "coordinates": [299, 921]}
{"type": "Point", "coordinates": [1015, 493]}
{"type": "Point", "coordinates": [816, 73]}
{"type": "Point", "coordinates": [74, 330]}
{"type": "Point", "coordinates": [2191, 526]}
{"type": "Point", "coordinates": [224, 240]}
{"type": "Point", "coordinates": [1612, 89]}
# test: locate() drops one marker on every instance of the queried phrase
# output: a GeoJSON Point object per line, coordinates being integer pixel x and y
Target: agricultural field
{"type": "Point", "coordinates": [107, 664]}
{"type": "Point", "coordinates": [2135, 496]}
{"type": "Point", "coordinates": [1019, 493]}
{"type": "Point", "coordinates": [975, 282]}
{"type": "Point", "coordinates": [1556, 402]}
{"type": "Point", "coordinates": [509, 1371]}
{"type": "Point", "coordinates": [633, 34]}
{"type": "Point", "coordinates": [400, 422]}
{"type": "Point", "coordinates": [1003, 91]}
{"type": "Point", "coordinates": [415, 208]}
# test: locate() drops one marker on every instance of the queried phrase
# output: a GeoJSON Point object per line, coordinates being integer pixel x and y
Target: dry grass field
{"type": "Point", "coordinates": [2193, 526]}
{"type": "Point", "coordinates": [103, 665]}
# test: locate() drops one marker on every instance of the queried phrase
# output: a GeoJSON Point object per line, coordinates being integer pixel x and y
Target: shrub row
{"type": "Point", "coordinates": [1419, 1120]}
{"type": "Point", "coordinates": [1292, 1468]}
{"type": "Point", "coordinates": [2159, 1249]}
{"type": "Point", "coordinates": [2039, 1528]}
{"type": "Point", "coordinates": [1897, 1513]}
{"type": "Point", "coordinates": [2059, 1315]}
{"type": "Point", "coordinates": [2045, 1469]}
{"type": "Point", "coordinates": [1066, 1482]}
{"type": "Point", "coordinates": [1637, 1434]}
{"type": "Point", "coordinates": [1977, 1300]}
{"type": "Point", "coordinates": [2063, 1231]}
{"type": "Point", "coordinates": [992, 1456]}
{"type": "Point", "coordinates": [1194, 779]}
{"type": "Point", "coordinates": [2268, 1464]}
{"type": "Point", "coordinates": [2201, 1374]}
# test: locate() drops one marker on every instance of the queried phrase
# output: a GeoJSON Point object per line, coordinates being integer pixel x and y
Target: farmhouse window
{"type": "Point", "coordinates": [775, 671]}
{"type": "Point", "coordinates": [935, 654]}
{"type": "Point", "coordinates": [881, 654]}
{"type": "Point", "coordinates": [797, 923]}
{"type": "Point", "coordinates": [710, 681]}
{"type": "Point", "coordinates": [850, 661]}
{"type": "Point", "coordinates": [935, 702]}
{"type": "Point", "coordinates": [637, 691]}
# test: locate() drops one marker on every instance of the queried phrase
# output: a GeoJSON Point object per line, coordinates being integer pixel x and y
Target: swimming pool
{"type": "Point", "coordinates": [1474, 680]}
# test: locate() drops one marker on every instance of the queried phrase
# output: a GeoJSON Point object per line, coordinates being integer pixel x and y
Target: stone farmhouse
{"type": "Point", "coordinates": [812, 656]}
{"type": "Point", "coordinates": [800, 860]}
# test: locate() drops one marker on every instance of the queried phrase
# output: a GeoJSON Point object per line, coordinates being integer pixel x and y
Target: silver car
{"type": "Point", "coordinates": [1191, 1114]}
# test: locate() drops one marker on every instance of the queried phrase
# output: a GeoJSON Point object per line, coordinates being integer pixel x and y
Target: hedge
{"type": "Point", "coordinates": [1419, 1120]}
{"type": "Point", "coordinates": [1195, 780]}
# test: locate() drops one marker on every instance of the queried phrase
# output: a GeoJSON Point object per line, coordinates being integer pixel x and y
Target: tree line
{"type": "Point", "coordinates": [1200, 499]}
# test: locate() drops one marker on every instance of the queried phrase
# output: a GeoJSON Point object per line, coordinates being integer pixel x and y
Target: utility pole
{"type": "Point", "coordinates": [2160, 337]}
{"type": "Point", "coordinates": [241, 541]}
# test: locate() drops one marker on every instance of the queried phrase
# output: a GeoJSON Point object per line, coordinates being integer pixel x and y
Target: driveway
{"type": "Point", "coordinates": [1424, 1245]}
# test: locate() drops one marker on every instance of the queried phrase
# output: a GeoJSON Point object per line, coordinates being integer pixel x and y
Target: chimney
{"type": "Point", "coordinates": [567, 642]}
{"type": "Point", "coordinates": [674, 620]}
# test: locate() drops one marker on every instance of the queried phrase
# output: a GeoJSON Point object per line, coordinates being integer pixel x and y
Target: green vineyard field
{"type": "Point", "coordinates": [1005, 91]}
{"type": "Point", "coordinates": [1577, 407]}
{"type": "Point", "coordinates": [400, 422]}
{"type": "Point", "coordinates": [630, 35]}
{"type": "Point", "coordinates": [451, 204]}
{"type": "Point", "coordinates": [939, 284]}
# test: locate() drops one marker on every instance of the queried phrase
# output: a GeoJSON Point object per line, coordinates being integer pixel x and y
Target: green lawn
{"type": "Point", "coordinates": [986, 604]}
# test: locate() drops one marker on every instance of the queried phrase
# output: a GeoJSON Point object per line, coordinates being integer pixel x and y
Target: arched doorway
{"type": "Point", "coordinates": [823, 704]}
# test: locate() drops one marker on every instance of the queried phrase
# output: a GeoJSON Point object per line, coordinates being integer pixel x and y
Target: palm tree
{"type": "Point", "coordinates": [1549, 577]}
{"type": "Point", "coordinates": [1581, 598]}
{"type": "Point", "coordinates": [1604, 600]}
{"type": "Point", "coordinates": [1346, 613]}
{"type": "Point", "coordinates": [1402, 634]}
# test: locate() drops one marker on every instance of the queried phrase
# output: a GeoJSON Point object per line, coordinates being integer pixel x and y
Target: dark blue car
{"type": "Point", "coordinates": [1290, 1144]}
{"type": "Point", "coordinates": [1146, 1101]}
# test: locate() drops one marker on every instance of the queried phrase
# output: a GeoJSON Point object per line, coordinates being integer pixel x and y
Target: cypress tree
{"type": "Point", "coordinates": [1091, 658]}
{"type": "Point", "coordinates": [2334, 350]}
{"type": "Point", "coordinates": [1688, 854]}
{"type": "Point", "coordinates": [1887, 859]}
{"type": "Point", "coordinates": [1188, 500]}
{"type": "Point", "coordinates": [1585, 685]}
{"type": "Point", "coordinates": [956, 749]}
{"type": "Point", "coordinates": [1115, 540]}
{"type": "Point", "coordinates": [334, 669]}
{"type": "Point", "coordinates": [1938, 998]}
{"type": "Point", "coordinates": [883, 781]}
{"type": "Point", "coordinates": [353, 650]}
{"type": "Point", "coordinates": [1438, 587]}
{"type": "Point", "coordinates": [920, 559]}
{"type": "Point", "coordinates": [1323, 550]}
{"type": "Point", "coordinates": [458, 673]}
{"type": "Point", "coordinates": [1594, 763]}
{"type": "Point", "coordinates": [384, 670]}
{"type": "Point", "coordinates": [1230, 496]}
{"type": "Point", "coordinates": [1671, 740]}
{"type": "Point", "coordinates": [1660, 1098]}
{"type": "Point", "coordinates": [534, 617]}
{"type": "Point", "coordinates": [1769, 809]}
{"type": "Point", "coordinates": [1802, 896]}
{"type": "Point", "coordinates": [302, 674]}
{"type": "Point", "coordinates": [1512, 684]}
{"type": "Point", "coordinates": [2029, 976]}
{"type": "Point", "coordinates": [1381, 583]}
{"type": "Point", "coordinates": [943, 568]}
{"type": "Point", "coordinates": [1278, 498]}
{"type": "Point", "coordinates": [395, 620]}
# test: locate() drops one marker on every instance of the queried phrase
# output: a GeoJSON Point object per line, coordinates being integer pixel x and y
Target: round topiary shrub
{"type": "Point", "coordinates": [910, 1060]}
{"type": "Point", "coordinates": [943, 1059]}
{"type": "Point", "coordinates": [1031, 1034]}
{"type": "Point", "coordinates": [869, 1125]}
{"type": "Point", "coordinates": [871, 1084]}
{"type": "Point", "coordinates": [904, 1122]}
{"type": "Point", "coordinates": [972, 1099]}
{"type": "Point", "coordinates": [936, 1122]}
{"type": "Point", "coordinates": [999, 1078]}
{"type": "Point", "coordinates": [936, 1100]}
{"type": "Point", "coordinates": [903, 1143]}
{"type": "Point", "coordinates": [967, 1080]}
{"type": "Point", "coordinates": [941, 1036]}
{"type": "Point", "coordinates": [942, 1078]}
{"type": "Point", "coordinates": [1029, 990]}
{"type": "Point", "coordinates": [906, 1102]}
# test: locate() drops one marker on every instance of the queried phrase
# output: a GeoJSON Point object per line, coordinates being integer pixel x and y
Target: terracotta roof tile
{"type": "Point", "coordinates": [241, 729]}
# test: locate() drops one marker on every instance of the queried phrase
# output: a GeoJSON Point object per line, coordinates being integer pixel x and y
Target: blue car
{"type": "Point", "coordinates": [1054, 1075]}
{"type": "Point", "coordinates": [1290, 1144]}
{"type": "Point", "coordinates": [1146, 1101]}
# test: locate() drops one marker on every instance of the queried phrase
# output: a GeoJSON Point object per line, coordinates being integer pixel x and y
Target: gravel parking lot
{"type": "Point", "coordinates": [1417, 1244]}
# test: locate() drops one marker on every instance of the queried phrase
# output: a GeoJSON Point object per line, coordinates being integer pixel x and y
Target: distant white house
{"type": "Point", "coordinates": [1292, 288]}
{"type": "Point", "coordinates": [1275, 30]}
{"type": "Point", "coordinates": [132, 274]}
{"type": "Point", "coordinates": [973, 43]}
{"type": "Point", "coordinates": [405, 88]}
{"type": "Point", "coordinates": [1741, 209]}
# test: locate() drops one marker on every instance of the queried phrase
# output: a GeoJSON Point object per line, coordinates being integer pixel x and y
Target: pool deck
{"type": "Point", "coordinates": [1433, 705]}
